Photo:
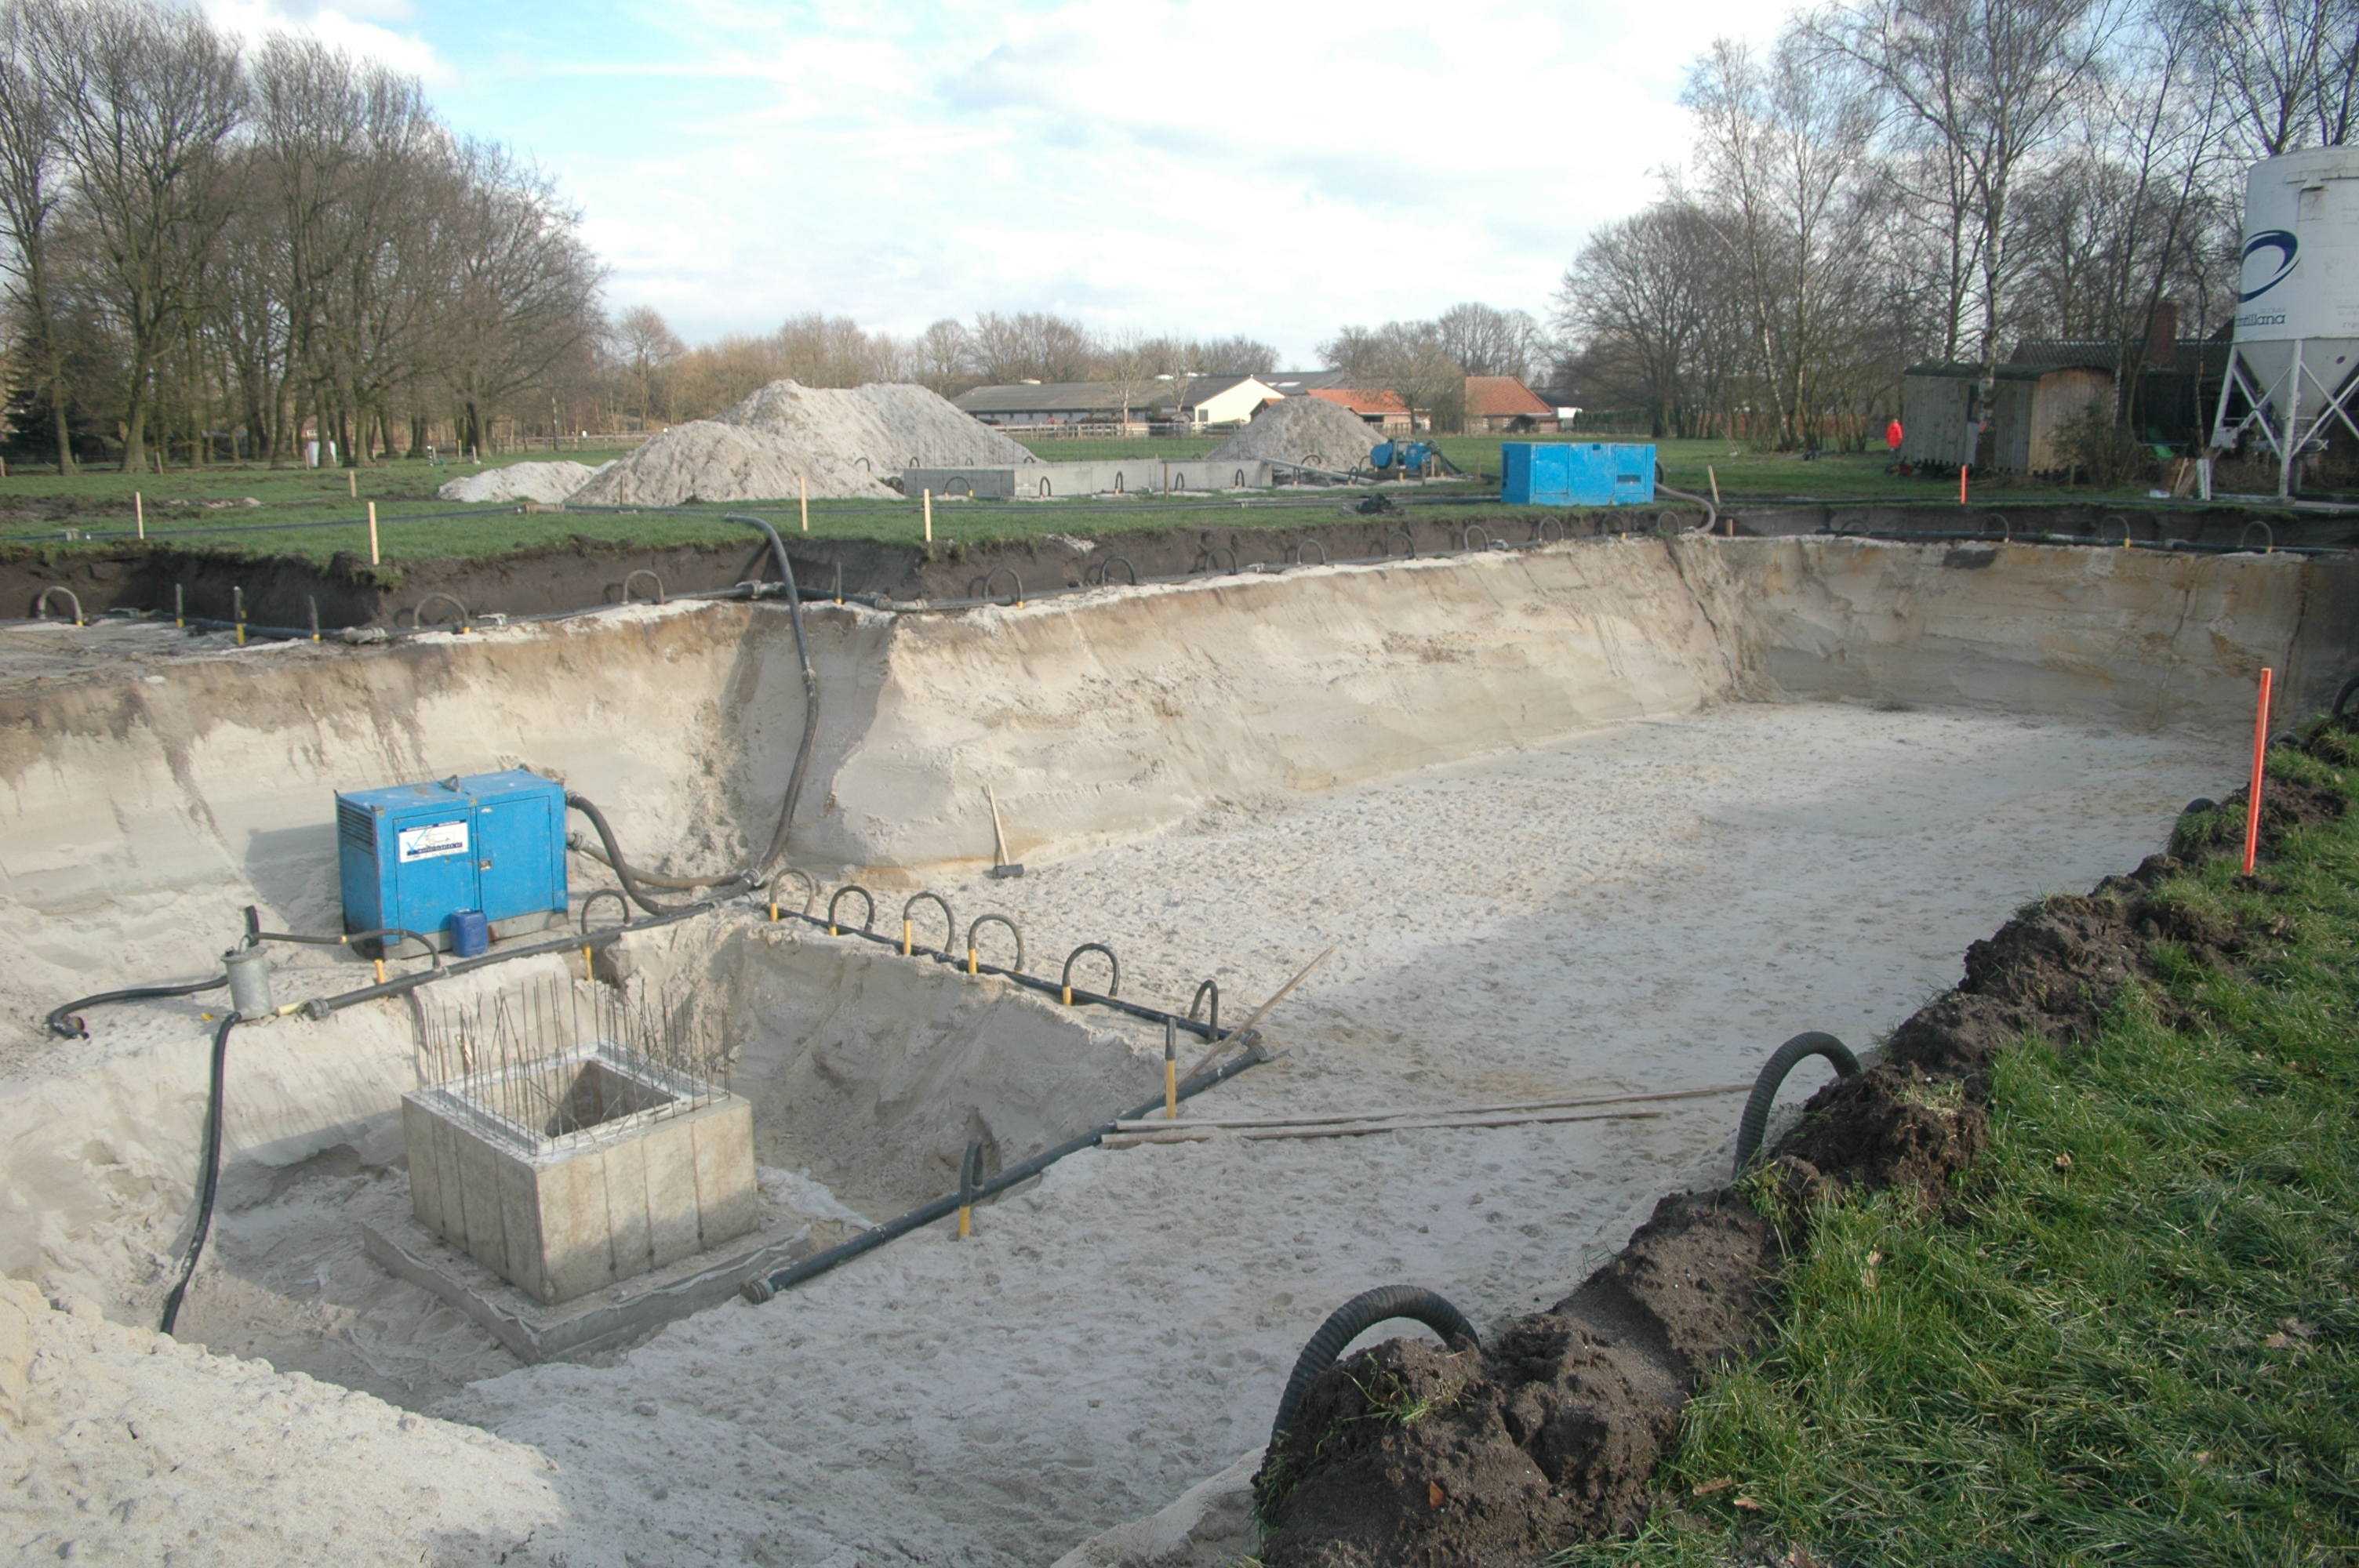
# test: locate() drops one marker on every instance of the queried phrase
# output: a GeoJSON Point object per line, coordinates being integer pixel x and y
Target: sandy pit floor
{"type": "Point", "coordinates": [1651, 906]}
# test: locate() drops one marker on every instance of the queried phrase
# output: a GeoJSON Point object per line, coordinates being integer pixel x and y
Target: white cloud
{"type": "Point", "coordinates": [1272, 166]}
{"type": "Point", "coordinates": [356, 28]}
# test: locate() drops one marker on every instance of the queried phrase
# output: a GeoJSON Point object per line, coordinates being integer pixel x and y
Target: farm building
{"type": "Point", "coordinates": [1940, 408]}
{"type": "Point", "coordinates": [1205, 401]}
{"type": "Point", "coordinates": [1382, 409]}
{"type": "Point", "coordinates": [1502, 403]}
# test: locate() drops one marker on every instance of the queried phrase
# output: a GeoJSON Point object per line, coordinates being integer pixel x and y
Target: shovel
{"type": "Point", "coordinates": [999, 865]}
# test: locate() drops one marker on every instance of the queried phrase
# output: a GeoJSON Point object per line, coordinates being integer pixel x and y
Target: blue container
{"type": "Point", "coordinates": [490, 844]}
{"type": "Point", "coordinates": [1576, 473]}
{"type": "Point", "coordinates": [470, 933]}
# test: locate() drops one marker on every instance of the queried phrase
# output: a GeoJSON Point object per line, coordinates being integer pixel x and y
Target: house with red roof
{"type": "Point", "coordinates": [1502, 403]}
{"type": "Point", "coordinates": [1382, 409]}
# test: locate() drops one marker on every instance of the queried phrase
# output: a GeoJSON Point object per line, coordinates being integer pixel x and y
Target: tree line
{"type": "Point", "coordinates": [1896, 181]}
{"type": "Point", "coordinates": [217, 253]}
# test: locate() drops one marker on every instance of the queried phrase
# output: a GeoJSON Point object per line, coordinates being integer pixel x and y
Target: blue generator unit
{"type": "Point", "coordinates": [486, 847]}
{"type": "Point", "coordinates": [1576, 473]}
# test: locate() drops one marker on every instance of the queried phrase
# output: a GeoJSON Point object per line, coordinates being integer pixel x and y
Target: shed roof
{"type": "Point", "coordinates": [1960, 370]}
{"type": "Point", "coordinates": [1062, 397]}
{"type": "Point", "coordinates": [1361, 401]}
{"type": "Point", "coordinates": [1502, 397]}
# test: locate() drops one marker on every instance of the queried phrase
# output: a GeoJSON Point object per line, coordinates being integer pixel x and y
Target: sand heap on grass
{"type": "Point", "coordinates": [549, 482]}
{"type": "Point", "coordinates": [1307, 430]}
{"type": "Point", "coordinates": [844, 441]}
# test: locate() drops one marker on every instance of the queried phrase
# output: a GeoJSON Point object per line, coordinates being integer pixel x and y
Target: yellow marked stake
{"type": "Point", "coordinates": [373, 558]}
{"type": "Point", "coordinates": [380, 972]}
{"type": "Point", "coordinates": [904, 938]}
{"type": "Point", "coordinates": [970, 961]}
{"type": "Point", "coordinates": [966, 1220]}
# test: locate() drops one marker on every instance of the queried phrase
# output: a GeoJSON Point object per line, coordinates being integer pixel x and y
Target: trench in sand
{"type": "Point", "coordinates": [1581, 819]}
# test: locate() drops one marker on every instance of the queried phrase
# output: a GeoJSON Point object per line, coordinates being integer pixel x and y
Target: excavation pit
{"type": "Point", "coordinates": [1591, 818]}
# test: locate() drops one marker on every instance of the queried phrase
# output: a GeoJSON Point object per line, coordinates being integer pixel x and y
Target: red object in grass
{"type": "Point", "coordinates": [1892, 435]}
{"type": "Point", "coordinates": [2260, 763]}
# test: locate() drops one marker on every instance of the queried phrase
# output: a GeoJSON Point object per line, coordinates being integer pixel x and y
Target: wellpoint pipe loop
{"type": "Point", "coordinates": [1783, 1060]}
{"type": "Point", "coordinates": [949, 924]}
{"type": "Point", "coordinates": [1113, 966]}
{"type": "Point", "coordinates": [2269, 536]}
{"type": "Point", "coordinates": [868, 914]}
{"type": "Point", "coordinates": [650, 576]}
{"type": "Point", "coordinates": [1402, 534]}
{"type": "Point", "coordinates": [810, 890]}
{"type": "Point", "coordinates": [980, 921]}
{"type": "Point", "coordinates": [1541, 528]}
{"type": "Point", "coordinates": [1010, 573]}
{"type": "Point", "coordinates": [1212, 559]}
{"type": "Point", "coordinates": [1355, 1317]}
{"type": "Point", "coordinates": [1208, 989]}
{"type": "Point", "coordinates": [1466, 537]}
{"type": "Point", "coordinates": [620, 902]}
{"type": "Point", "coordinates": [417, 617]}
{"type": "Point", "coordinates": [1294, 553]}
{"type": "Point", "coordinates": [2127, 537]}
{"type": "Point", "coordinates": [2342, 698]}
{"type": "Point", "coordinates": [41, 603]}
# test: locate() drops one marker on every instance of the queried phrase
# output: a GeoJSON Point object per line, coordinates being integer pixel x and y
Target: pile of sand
{"type": "Point", "coordinates": [1307, 430]}
{"type": "Point", "coordinates": [548, 482]}
{"type": "Point", "coordinates": [845, 442]}
{"type": "Point", "coordinates": [124, 1445]}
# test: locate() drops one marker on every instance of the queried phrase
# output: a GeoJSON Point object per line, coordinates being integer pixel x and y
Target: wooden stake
{"type": "Point", "coordinates": [1713, 474]}
{"type": "Point", "coordinates": [353, 483]}
{"type": "Point", "coordinates": [373, 554]}
{"type": "Point", "coordinates": [2260, 769]}
{"type": "Point", "coordinates": [929, 516]}
{"type": "Point", "coordinates": [803, 481]}
{"type": "Point", "coordinates": [139, 511]}
{"type": "Point", "coordinates": [999, 833]}
{"type": "Point", "coordinates": [1511, 1108]}
{"type": "Point", "coordinates": [1230, 1038]}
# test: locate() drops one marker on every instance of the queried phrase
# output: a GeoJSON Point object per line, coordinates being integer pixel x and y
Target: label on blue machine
{"type": "Point", "coordinates": [433, 840]}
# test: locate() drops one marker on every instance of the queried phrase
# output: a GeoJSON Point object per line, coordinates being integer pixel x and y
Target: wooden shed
{"type": "Point", "coordinates": [1941, 406]}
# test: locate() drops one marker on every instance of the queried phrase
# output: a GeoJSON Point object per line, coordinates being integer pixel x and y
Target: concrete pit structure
{"type": "Point", "coordinates": [1614, 815]}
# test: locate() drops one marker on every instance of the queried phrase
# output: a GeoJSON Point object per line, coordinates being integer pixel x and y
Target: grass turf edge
{"type": "Point", "coordinates": [2132, 1335]}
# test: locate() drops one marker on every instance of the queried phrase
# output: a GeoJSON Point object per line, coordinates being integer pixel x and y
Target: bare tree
{"type": "Point", "coordinates": [147, 99]}
{"type": "Point", "coordinates": [1487, 341]}
{"type": "Point", "coordinates": [1407, 359]}
{"type": "Point", "coordinates": [524, 285]}
{"type": "Point", "coordinates": [1030, 345]}
{"type": "Point", "coordinates": [1997, 81]}
{"type": "Point", "coordinates": [1782, 144]}
{"type": "Point", "coordinates": [1646, 290]}
{"type": "Point", "coordinates": [2287, 67]}
{"type": "Point", "coordinates": [33, 68]}
{"type": "Point", "coordinates": [647, 348]}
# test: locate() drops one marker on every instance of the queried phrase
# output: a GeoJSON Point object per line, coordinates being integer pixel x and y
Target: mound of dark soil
{"type": "Point", "coordinates": [1403, 1455]}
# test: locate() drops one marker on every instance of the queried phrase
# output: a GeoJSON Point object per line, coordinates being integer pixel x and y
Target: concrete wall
{"type": "Point", "coordinates": [1131, 476]}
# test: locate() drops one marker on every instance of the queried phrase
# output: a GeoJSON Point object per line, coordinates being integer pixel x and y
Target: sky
{"type": "Point", "coordinates": [1273, 167]}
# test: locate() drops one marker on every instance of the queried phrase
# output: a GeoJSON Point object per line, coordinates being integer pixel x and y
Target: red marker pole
{"type": "Point", "coordinates": [2260, 762]}
{"type": "Point", "coordinates": [1962, 484]}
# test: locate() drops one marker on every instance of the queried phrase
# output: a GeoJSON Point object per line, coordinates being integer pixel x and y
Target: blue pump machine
{"type": "Point", "coordinates": [419, 856]}
{"type": "Point", "coordinates": [1576, 473]}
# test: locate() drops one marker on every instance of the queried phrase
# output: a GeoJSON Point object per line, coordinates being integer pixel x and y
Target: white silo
{"type": "Point", "coordinates": [2297, 303]}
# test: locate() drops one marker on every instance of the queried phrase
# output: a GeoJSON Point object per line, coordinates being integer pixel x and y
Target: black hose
{"type": "Point", "coordinates": [622, 868]}
{"type": "Point", "coordinates": [210, 1182]}
{"type": "Point", "coordinates": [1711, 510]}
{"type": "Point", "coordinates": [65, 1025]}
{"type": "Point", "coordinates": [1755, 1120]}
{"type": "Point", "coordinates": [753, 875]}
{"type": "Point", "coordinates": [2343, 697]}
{"type": "Point", "coordinates": [810, 694]}
{"type": "Point", "coordinates": [675, 884]}
{"type": "Point", "coordinates": [1355, 1317]}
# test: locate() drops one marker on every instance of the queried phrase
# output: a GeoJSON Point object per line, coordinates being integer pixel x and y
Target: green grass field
{"type": "Point", "coordinates": [315, 514]}
{"type": "Point", "coordinates": [2138, 1340]}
